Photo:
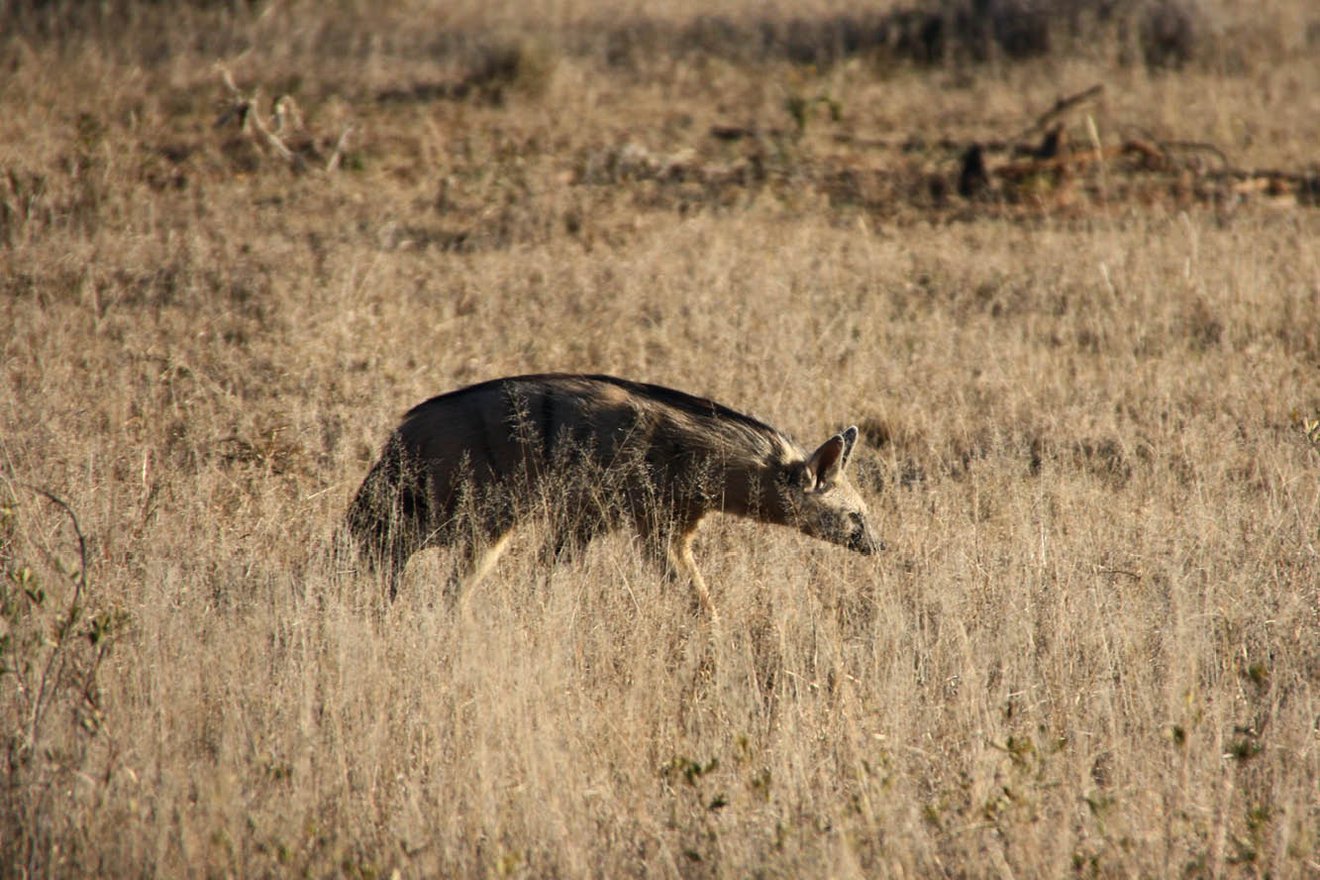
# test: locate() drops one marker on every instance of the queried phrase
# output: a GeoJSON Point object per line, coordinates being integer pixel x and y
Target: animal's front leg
{"type": "Point", "coordinates": [680, 566]}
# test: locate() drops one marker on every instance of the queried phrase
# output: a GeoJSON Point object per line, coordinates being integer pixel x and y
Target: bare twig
{"type": "Point", "coordinates": [337, 155]}
{"type": "Point", "coordinates": [70, 617]}
{"type": "Point", "coordinates": [1061, 106]}
{"type": "Point", "coordinates": [227, 77]}
{"type": "Point", "coordinates": [247, 109]}
{"type": "Point", "coordinates": [1134, 575]}
{"type": "Point", "coordinates": [271, 139]}
{"type": "Point", "coordinates": [1196, 147]}
{"type": "Point", "coordinates": [1169, 148]}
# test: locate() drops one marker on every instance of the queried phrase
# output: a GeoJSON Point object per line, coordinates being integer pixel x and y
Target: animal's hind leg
{"type": "Point", "coordinates": [476, 560]}
{"type": "Point", "coordinates": [392, 564]}
{"type": "Point", "coordinates": [479, 553]}
{"type": "Point", "coordinates": [384, 548]}
{"type": "Point", "coordinates": [388, 518]}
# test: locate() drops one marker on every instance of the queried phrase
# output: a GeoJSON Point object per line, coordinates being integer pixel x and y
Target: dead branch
{"type": "Point", "coordinates": [1075, 161]}
{"type": "Point", "coordinates": [47, 684]}
{"type": "Point", "coordinates": [1061, 106]}
{"type": "Point", "coordinates": [337, 155]}
{"type": "Point", "coordinates": [247, 110]}
{"type": "Point", "coordinates": [1196, 147]}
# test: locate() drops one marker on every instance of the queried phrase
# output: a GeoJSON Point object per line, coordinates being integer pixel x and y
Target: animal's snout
{"type": "Point", "coordinates": [865, 544]}
{"type": "Point", "coordinates": [861, 540]}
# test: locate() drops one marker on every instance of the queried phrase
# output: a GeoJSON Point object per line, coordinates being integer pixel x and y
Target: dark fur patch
{"type": "Point", "coordinates": [700, 407]}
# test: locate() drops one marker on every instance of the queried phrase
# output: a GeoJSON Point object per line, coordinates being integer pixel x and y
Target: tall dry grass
{"type": "Point", "coordinates": [1092, 648]}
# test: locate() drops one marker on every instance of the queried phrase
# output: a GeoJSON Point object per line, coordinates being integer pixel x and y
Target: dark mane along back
{"type": "Point", "coordinates": [767, 440]}
{"type": "Point", "coordinates": [698, 406]}
{"type": "Point", "coordinates": [469, 389]}
{"type": "Point", "coordinates": [689, 403]}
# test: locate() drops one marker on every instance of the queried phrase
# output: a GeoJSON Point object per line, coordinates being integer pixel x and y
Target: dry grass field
{"type": "Point", "coordinates": [238, 240]}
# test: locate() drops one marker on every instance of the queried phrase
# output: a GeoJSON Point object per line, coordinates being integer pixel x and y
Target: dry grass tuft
{"type": "Point", "coordinates": [1090, 412]}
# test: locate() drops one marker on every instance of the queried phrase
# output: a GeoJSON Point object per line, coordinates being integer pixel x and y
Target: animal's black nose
{"type": "Point", "coordinates": [865, 543]}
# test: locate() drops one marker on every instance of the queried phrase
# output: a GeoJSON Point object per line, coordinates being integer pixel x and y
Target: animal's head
{"type": "Point", "coordinates": [819, 500]}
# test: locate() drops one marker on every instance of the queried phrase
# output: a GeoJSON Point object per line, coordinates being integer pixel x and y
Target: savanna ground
{"type": "Point", "coordinates": [1088, 396]}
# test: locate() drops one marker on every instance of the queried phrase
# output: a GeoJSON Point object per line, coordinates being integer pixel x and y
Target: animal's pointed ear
{"type": "Point", "coordinates": [826, 463]}
{"type": "Point", "coordinates": [849, 435]}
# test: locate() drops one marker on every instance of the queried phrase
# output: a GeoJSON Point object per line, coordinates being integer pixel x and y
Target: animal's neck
{"type": "Point", "coordinates": [751, 491]}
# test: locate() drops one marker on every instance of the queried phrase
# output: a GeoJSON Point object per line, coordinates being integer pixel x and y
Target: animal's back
{"type": "Point", "coordinates": [508, 426]}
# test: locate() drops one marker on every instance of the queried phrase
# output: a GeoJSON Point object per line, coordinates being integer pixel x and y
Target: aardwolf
{"type": "Point", "coordinates": [588, 454]}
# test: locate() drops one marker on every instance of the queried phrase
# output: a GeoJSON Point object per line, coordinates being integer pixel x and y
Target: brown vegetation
{"type": "Point", "coordinates": [238, 240]}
